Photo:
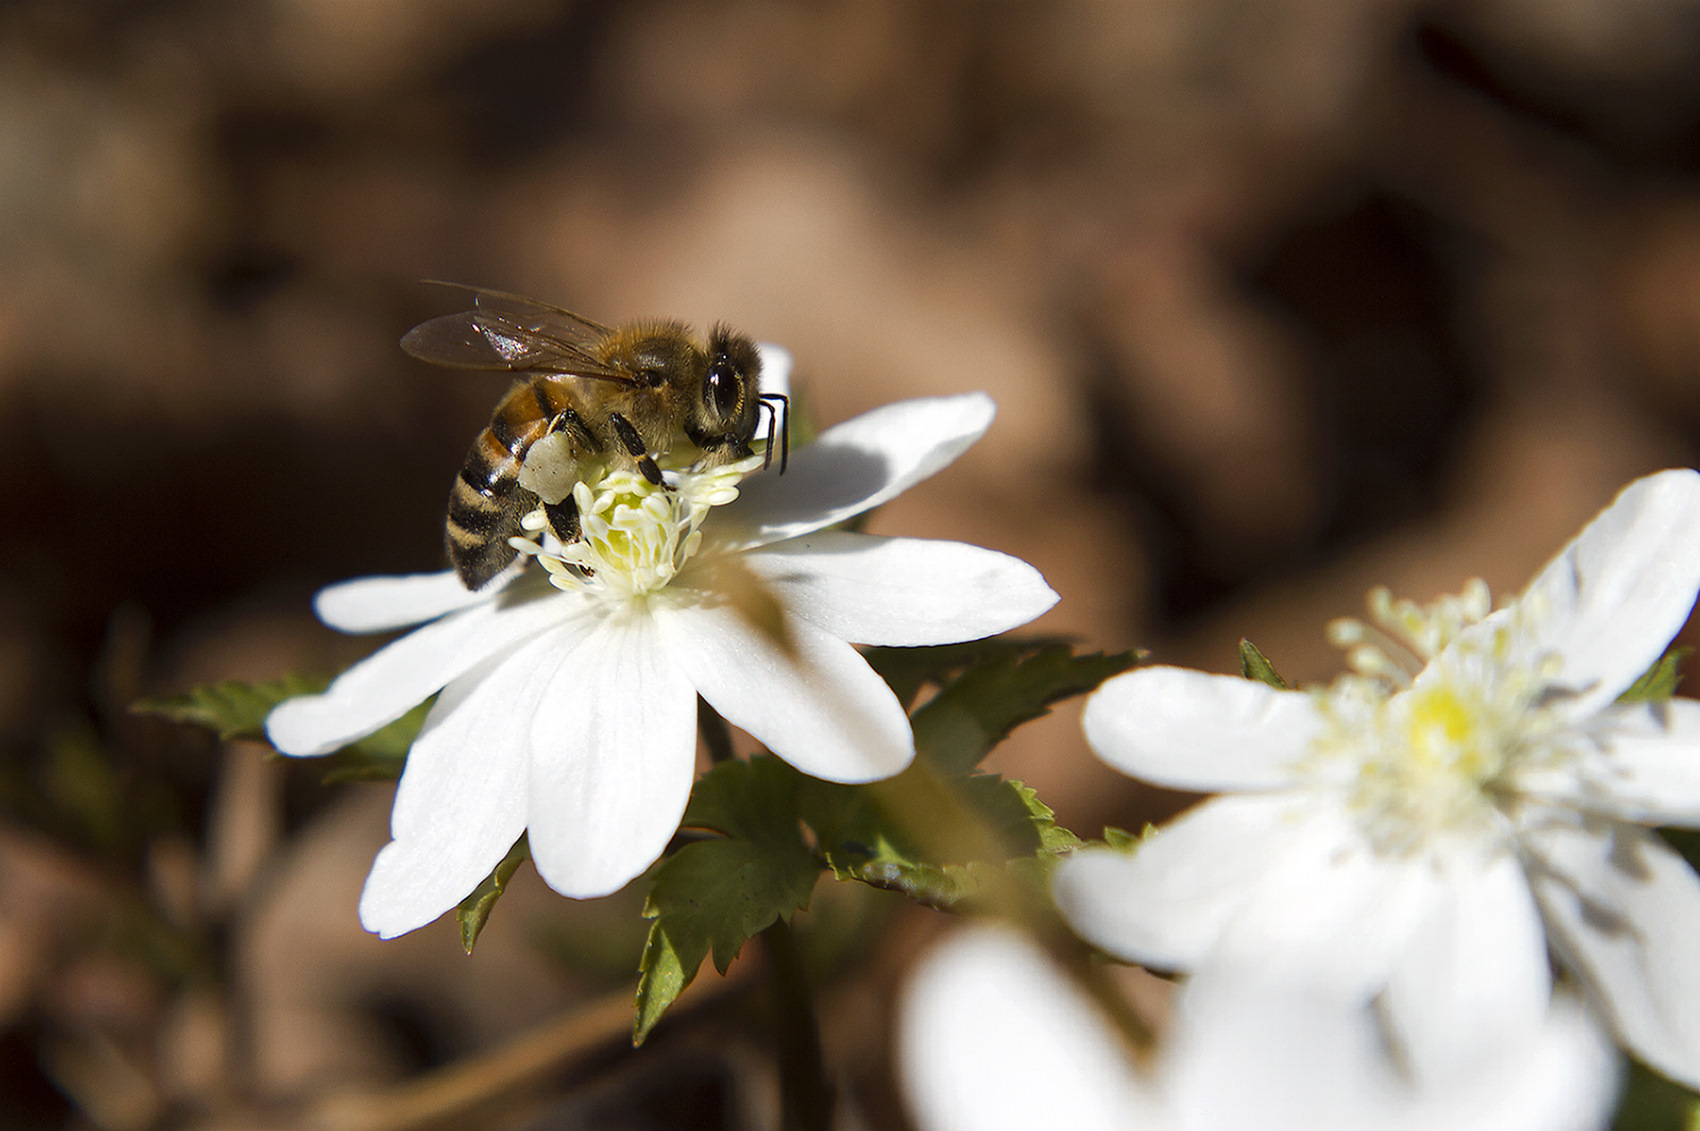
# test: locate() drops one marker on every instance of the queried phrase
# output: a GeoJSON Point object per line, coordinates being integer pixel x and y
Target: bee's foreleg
{"type": "Point", "coordinates": [639, 450]}
{"type": "Point", "coordinates": [563, 519]}
{"type": "Point", "coordinates": [568, 420]}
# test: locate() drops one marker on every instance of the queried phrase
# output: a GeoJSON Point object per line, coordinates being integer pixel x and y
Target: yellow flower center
{"type": "Point", "coordinates": [1444, 731]}
{"type": "Point", "coordinates": [1431, 726]}
{"type": "Point", "coordinates": [634, 536]}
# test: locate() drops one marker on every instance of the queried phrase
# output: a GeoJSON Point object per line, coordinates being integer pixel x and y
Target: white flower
{"type": "Point", "coordinates": [993, 1036]}
{"type": "Point", "coordinates": [568, 706]}
{"type": "Point", "coordinates": [1424, 838]}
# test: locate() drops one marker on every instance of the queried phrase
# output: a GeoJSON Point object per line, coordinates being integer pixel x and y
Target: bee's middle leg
{"type": "Point", "coordinates": [639, 450]}
{"type": "Point", "coordinates": [569, 421]}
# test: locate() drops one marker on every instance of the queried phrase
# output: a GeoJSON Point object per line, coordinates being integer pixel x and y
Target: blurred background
{"type": "Point", "coordinates": [1279, 299]}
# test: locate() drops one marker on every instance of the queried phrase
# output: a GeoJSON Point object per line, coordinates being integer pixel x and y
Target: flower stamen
{"type": "Point", "coordinates": [1402, 636]}
{"type": "Point", "coordinates": [634, 536]}
{"type": "Point", "coordinates": [1424, 756]}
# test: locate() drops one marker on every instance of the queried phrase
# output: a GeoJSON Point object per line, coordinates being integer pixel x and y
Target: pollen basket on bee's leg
{"type": "Point", "coordinates": [552, 469]}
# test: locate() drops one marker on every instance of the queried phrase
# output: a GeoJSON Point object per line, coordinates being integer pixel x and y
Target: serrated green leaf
{"type": "Point", "coordinates": [1010, 810]}
{"type": "Point", "coordinates": [740, 799]}
{"type": "Point", "coordinates": [859, 841]}
{"type": "Point", "coordinates": [381, 755]}
{"type": "Point", "coordinates": [926, 882]}
{"type": "Point", "coordinates": [1053, 838]}
{"type": "Point", "coordinates": [972, 714]}
{"type": "Point", "coordinates": [232, 709]}
{"type": "Point", "coordinates": [1055, 843]}
{"type": "Point", "coordinates": [906, 670]}
{"type": "Point", "coordinates": [1658, 683]}
{"type": "Point", "coordinates": [475, 909]}
{"type": "Point", "coordinates": [713, 895]}
{"type": "Point", "coordinates": [1123, 841]}
{"type": "Point", "coordinates": [664, 973]}
{"type": "Point", "coordinates": [1255, 665]}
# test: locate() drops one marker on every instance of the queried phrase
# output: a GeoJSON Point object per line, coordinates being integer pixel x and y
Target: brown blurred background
{"type": "Point", "coordinates": [1279, 299]}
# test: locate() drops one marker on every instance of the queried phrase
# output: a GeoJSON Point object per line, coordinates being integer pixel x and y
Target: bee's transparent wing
{"type": "Point", "coordinates": [510, 332]}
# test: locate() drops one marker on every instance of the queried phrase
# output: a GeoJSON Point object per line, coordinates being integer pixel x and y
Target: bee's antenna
{"type": "Point", "coordinates": [781, 416]}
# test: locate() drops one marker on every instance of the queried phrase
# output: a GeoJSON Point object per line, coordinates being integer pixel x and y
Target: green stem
{"type": "Point", "coordinates": [805, 1098]}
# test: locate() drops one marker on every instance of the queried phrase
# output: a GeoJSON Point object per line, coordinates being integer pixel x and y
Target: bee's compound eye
{"type": "Point", "coordinates": [722, 387]}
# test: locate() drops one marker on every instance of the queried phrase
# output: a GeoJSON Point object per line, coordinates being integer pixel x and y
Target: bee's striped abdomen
{"type": "Point", "coordinates": [486, 502]}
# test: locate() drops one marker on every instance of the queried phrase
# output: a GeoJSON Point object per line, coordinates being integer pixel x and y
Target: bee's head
{"type": "Point", "coordinates": [727, 403]}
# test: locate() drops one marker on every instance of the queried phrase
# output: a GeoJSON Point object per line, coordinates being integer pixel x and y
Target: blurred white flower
{"type": "Point", "coordinates": [992, 1035]}
{"type": "Point", "coordinates": [1421, 832]}
{"type": "Point", "coordinates": [568, 706]}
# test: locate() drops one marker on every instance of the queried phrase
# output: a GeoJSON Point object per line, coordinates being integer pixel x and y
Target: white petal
{"type": "Point", "coordinates": [379, 604]}
{"type": "Point", "coordinates": [1474, 978]}
{"type": "Point", "coordinates": [613, 752]}
{"type": "Point", "coordinates": [1646, 768]}
{"type": "Point", "coordinates": [1189, 730]}
{"type": "Point", "coordinates": [776, 365]}
{"type": "Point", "coordinates": [1251, 1052]}
{"type": "Point", "coordinates": [1623, 910]}
{"type": "Point", "coordinates": [775, 380]}
{"type": "Point", "coordinates": [821, 707]}
{"type": "Point", "coordinates": [992, 1036]}
{"type": "Point", "coordinates": [1564, 1078]}
{"type": "Point", "coordinates": [1245, 1051]}
{"type": "Point", "coordinates": [1167, 904]}
{"type": "Point", "coordinates": [855, 466]}
{"type": "Point", "coordinates": [1330, 912]}
{"type": "Point", "coordinates": [461, 802]}
{"type": "Point", "coordinates": [901, 591]}
{"type": "Point", "coordinates": [1275, 884]}
{"type": "Point", "coordinates": [1612, 599]}
{"type": "Point", "coordinates": [385, 685]}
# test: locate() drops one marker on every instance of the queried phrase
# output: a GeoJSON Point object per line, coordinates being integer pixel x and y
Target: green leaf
{"type": "Point", "coordinates": [1055, 842]}
{"type": "Point", "coordinates": [1651, 1103]}
{"type": "Point", "coordinates": [712, 895]}
{"type": "Point", "coordinates": [1123, 841]}
{"type": "Point", "coordinates": [381, 755]}
{"type": "Point", "coordinates": [972, 714]}
{"type": "Point", "coordinates": [907, 670]}
{"type": "Point", "coordinates": [1052, 836]}
{"type": "Point", "coordinates": [475, 909]}
{"type": "Point", "coordinates": [1658, 683]}
{"type": "Point", "coordinates": [860, 842]}
{"type": "Point", "coordinates": [1255, 665]}
{"type": "Point", "coordinates": [234, 709]}
{"type": "Point", "coordinates": [742, 799]}
{"type": "Point", "coordinates": [231, 709]}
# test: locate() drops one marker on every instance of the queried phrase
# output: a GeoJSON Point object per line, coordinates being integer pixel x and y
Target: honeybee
{"type": "Point", "coordinates": [620, 396]}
